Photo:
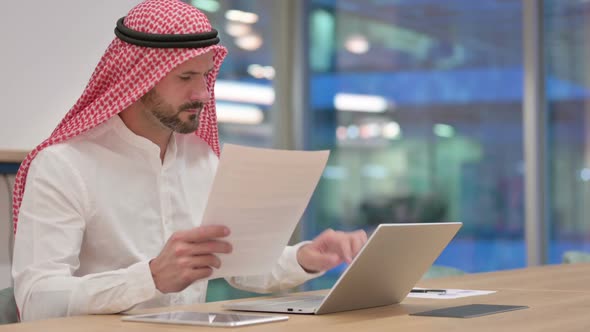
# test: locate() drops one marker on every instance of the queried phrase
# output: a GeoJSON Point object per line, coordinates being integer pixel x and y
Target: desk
{"type": "Point", "coordinates": [554, 306]}
{"type": "Point", "coordinates": [569, 277]}
{"type": "Point", "coordinates": [12, 156]}
{"type": "Point", "coordinates": [10, 160]}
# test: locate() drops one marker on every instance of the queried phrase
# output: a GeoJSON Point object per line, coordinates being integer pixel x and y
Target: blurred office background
{"type": "Point", "coordinates": [422, 104]}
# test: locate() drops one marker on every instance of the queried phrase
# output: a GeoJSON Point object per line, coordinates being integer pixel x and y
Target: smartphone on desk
{"type": "Point", "coordinates": [218, 319]}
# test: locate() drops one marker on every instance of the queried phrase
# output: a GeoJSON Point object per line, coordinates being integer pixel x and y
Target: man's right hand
{"type": "Point", "coordinates": [189, 256]}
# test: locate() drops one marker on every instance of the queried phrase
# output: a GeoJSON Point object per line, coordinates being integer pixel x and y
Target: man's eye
{"type": "Point", "coordinates": [185, 78]}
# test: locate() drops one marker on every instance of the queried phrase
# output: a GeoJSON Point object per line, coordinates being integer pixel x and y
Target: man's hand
{"type": "Point", "coordinates": [189, 256]}
{"type": "Point", "coordinates": [330, 249]}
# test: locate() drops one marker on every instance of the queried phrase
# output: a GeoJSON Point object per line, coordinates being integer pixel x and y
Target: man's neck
{"type": "Point", "coordinates": [152, 131]}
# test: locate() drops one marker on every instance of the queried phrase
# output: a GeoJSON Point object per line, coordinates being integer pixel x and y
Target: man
{"type": "Point", "coordinates": [110, 217]}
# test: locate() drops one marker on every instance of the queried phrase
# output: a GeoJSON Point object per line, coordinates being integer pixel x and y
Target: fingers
{"type": "Point", "coordinates": [314, 261]}
{"type": "Point", "coordinates": [345, 248]}
{"type": "Point", "coordinates": [359, 238]}
{"type": "Point", "coordinates": [326, 262]}
{"type": "Point", "coordinates": [202, 248]}
{"type": "Point", "coordinates": [191, 275]}
{"type": "Point", "coordinates": [197, 262]}
{"type": "Point", "coordinates": [202, 233]}
{"type": "Point", "coordinates": [188, 256]}
{"type": "Point", "coordinates": [346, 245]}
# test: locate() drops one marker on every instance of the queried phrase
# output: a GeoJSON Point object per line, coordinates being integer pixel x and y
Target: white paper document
{"type": "Point", "coordinates": [260, 194]}
{"type": "Point", "coordinates": [450, 294]}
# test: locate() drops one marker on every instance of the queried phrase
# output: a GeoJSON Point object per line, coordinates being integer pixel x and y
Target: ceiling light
{"type": "Point", "coordinates": [357, 44]}
{"type": "Point", "coordinates": [341, 133]}
{"type": "Point", "coordinates": [259, 71]}
{"type": "Point", "coordinates": [353, 132]}
{"type": "Point", "coordinates": [244, 92]}
{"type": "Point", "coordinates": [360, 103]}
{"type": "Point", "coordinates": [241, 114]}
{"type": "Point", "coordinates": [250, 42]}
{"type": "Point", "coordinates": [237, 29]}
{"type": "Point", "coordinates": [370, 130]}
{"type": "Point", "coordinates": [241, 16]}
{"type": "Point", "coordinates": [391, 130]}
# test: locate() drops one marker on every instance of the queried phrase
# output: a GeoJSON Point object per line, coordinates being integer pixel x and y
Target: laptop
{"type": "Point", "coordinates": [394, 258]}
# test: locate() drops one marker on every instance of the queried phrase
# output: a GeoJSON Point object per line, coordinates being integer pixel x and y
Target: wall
{"type": "Point", "coordinates": [49, 50]}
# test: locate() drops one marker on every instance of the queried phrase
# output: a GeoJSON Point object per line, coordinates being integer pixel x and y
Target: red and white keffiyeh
{"type": "Point", "coordinates": [126, 72]}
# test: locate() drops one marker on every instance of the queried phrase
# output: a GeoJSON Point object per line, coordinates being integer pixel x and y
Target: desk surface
{"type": "Point", "coordinates": [558, 297]}
{"type": "Point", "coordinates": [570, 277]}
{"type": "Point", "coordinates": [12, 156]}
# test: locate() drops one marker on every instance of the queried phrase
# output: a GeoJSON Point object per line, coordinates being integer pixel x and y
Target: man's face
{"type": "Point", "coordinates": [178, 99]}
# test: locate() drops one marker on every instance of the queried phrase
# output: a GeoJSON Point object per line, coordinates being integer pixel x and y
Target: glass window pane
{"type": "Point", "coordinates": [421, 105]}
{"type": "Point", "coordinates": [567, 50]}
{"type": "Point", "coordinates": [244, 89]}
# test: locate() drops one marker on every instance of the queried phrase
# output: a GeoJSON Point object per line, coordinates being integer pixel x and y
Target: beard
{"type": "Point", "coordinates": [168, 117]}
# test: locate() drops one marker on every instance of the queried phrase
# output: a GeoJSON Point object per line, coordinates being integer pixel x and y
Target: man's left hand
{"type": "Point", "coordinates": [330, 249]}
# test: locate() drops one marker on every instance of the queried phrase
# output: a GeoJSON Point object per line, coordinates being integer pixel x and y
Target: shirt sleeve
{"type": "Point", "coordinates": [287, 273]}
{"type": "Point", "coordinates": [47, 246]}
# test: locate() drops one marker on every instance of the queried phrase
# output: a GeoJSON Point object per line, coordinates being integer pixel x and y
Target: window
{"type": "Point", "coordinates": [421, 105]}
{"type": "Point", "coordinates": [567, 81]}
{"type": "Point", "coordinates": [243, 90]}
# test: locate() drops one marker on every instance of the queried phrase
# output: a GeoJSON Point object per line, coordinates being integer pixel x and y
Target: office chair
{"type": "Point", "coordinates": [8, 310]}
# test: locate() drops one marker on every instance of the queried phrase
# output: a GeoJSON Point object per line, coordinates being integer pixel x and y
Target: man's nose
{"type": "Point", "coordinates": [199, 91]}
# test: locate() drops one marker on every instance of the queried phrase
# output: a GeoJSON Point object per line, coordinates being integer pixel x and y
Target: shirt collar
{"type": "Point", "coordinates": [117, 124]}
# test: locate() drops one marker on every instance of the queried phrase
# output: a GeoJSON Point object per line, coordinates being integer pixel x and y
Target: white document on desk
{"type": "Point", "coordinates": [451, 294]}
{"type": "Point", "coordinates": [260, 194]}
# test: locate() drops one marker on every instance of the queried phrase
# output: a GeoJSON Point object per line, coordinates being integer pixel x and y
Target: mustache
{"type": "Point", "coordinates": [191, 106]}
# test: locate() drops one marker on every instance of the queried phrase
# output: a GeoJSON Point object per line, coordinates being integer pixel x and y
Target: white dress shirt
{"type": "Point", "coordinates": [98, 207]}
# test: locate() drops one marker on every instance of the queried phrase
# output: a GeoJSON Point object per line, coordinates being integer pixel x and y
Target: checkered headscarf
{"type": "Point", "coordinates": [126, 72]}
